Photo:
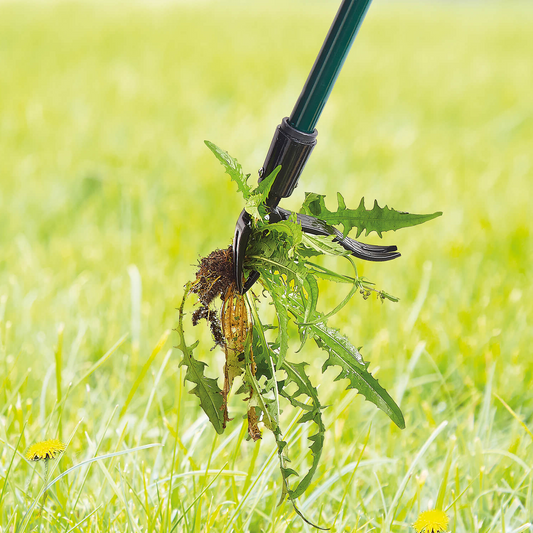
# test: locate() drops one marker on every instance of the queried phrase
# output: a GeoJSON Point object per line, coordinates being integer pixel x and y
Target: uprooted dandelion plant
{"type": "Point", "coordinates": [257, 351]}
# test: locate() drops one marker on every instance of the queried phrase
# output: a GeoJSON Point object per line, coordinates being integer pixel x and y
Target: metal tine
{"type": "Point", "coordinates": [378, 248]}
{"type": "Point", "coordinates": [315, 226]}
{"type": "Point", "coordinates": [243, 229]}
{"type": "Point", "coordinates": [368, 255]}
{"type": "Point", "coordinates": [367, 252]}
{"type": "Point", "coordinates": [371, 248]}
{"type": "Point", "coordinates": [310, 224]}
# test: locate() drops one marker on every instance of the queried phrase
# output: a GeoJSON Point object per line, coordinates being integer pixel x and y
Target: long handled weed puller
{"type": "Point", "coordinates": [295, 139]}
{"type": "Point", "coordinates": [278, 246]}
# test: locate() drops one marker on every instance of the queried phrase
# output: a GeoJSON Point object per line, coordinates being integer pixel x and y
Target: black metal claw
{"type": "Point", "coordinates": [290, 148]}
{"type": "Point", "coordinates": [315, 226]}
{"type": "Point", "coordinates": [243, 229]}
{"type": "Point", "coordinates": [311, 225]}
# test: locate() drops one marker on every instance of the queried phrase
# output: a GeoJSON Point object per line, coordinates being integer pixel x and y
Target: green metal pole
{"type": "Point", "coordinates": [328, 64]}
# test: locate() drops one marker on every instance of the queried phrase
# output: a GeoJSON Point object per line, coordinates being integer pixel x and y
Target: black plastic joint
{"type": "Point", "coordinates": [289, 148]}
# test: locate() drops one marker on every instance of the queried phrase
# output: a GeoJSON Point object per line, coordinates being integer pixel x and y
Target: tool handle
{"type": "Point", "coordinates": [295, 137]}
{"type": "Point", "coordinates": [328, 64]}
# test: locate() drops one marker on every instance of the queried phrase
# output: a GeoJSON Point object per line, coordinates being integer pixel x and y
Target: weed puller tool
{"type": "Point", "coordinates": [269, 243]}
{"type": "Point", "coordinates": [295, 139]}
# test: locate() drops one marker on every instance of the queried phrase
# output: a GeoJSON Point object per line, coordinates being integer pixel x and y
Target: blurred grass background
{"type": "Point", "coordinates": [108, 197]}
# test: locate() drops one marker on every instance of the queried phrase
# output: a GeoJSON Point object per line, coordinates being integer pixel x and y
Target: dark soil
{"type": "Point", "coordinates": [214, 278]}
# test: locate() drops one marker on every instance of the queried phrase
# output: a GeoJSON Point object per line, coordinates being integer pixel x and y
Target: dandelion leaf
{"type": "Point", "coordinates": [321, 245]}
{"type": "Point", "coordinates": [342, 353]}
{"type": "Point", "coordinates": [290, 228]}
{"type": "Point", "coordinates": [282, 341]}
{"type": "Point", "coordinates": [207, 389]}
{"type": "Point", "coordinates": [378, 219]}
{"type": "Point", "coordinates": [233, 168]}
{"type": "Point", "coordinates": [263, 189]}
{"type": "Point", "coordinates": [311, 413]}
{"type": "Point", "coordinates": [280, 261]}
{"type": "Point", "coordinates": [257, 197]}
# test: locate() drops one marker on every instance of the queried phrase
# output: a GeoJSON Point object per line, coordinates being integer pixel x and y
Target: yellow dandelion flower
{"type": "Point", "coordinates": [46, 449]}
{"type": "Point", "coordinates": [433, 521]}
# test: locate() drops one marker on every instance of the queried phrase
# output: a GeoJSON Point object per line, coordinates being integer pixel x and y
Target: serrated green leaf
{"type": "Point", "coordinates": [311, 288]}
{"type": "Point", "coordinates": [261, 244]}
{"type": "Point", "coordinates": [263, 367]}
{"type": "Point", "coordinates": [290, 228]}
{"type": "Point", "coordinates": [312, 413]}
{"type": "Point", "coordinates": [282, 340]}
{"type": "Point", "coordinates": [342, 353]}
{"type": "Point", "coordinates": [269, 357]}
{"type": "Point", "coordinates": [323, 245]}
{"type": "Point", "coordinates": [378, 219]}
{"type": "Point", "coordinates": [233, 168]}
{"type": "Point", "coordinates": [322, 318]}
{"type": "Point", "coordinates": [257, 197]}
{"type": "Point", "coordinates": [281, 263]}
{"type": "Point", "coordinates": [310, 299]}
{"type": "Point", "coordinates": [263, 189]}
{"type": "Point", "coordinates": [206, 389]}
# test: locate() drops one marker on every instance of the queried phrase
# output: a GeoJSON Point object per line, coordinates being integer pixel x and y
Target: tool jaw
{"type": "Point", "coordinates": [310, 225]}
{"type": "Point", "coordinates": [291, 149]}
{"type": "Point", "coordinates": [243, 230]}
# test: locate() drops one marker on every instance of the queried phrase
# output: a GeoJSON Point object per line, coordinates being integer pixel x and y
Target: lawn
{"type": "Point", "coordinates": [108, 198]}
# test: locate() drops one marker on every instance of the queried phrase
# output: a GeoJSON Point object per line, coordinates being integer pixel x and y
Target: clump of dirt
{"type": "Point", "coordinates": [214, 278]}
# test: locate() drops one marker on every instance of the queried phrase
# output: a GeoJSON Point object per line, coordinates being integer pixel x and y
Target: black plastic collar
{"type": "Point", "coordinates": [289, 148]}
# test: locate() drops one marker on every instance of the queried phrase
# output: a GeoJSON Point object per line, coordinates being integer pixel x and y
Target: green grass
{"type": "Point", "coordinates": [108, 197]}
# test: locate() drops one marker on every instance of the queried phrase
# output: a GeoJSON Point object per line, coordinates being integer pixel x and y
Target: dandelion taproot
{"type": "Point", "coordinates": [434, 521]}
{"type": "Point", "coordinates": [45, 450]}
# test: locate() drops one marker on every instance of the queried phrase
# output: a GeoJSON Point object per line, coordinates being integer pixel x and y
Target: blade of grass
{"type": "Point", "coordinates": [514, 415]}
{"type": "Point", "coordinates": [160, 343]}
{"type": "Point", "coordinates": [15, 392]}
{"type": "Point", "coordinates": [122, 496]}
{"type": "Point", "coordinates": [100, 361]}
{"type": "Point", "coordinates": [394, 505]}
{"type": "Point", "coordinates": [184, 513]}
{"type": "Point", "coordinates": [83, 520]}
{"type": "Point", "coordinates": [352, 476]}
{"type": "Point", "coordinates": [58, 355]}
{"type": "Point", "coordinates": [6, 477]}
{"type": "Point", "coordinates": [95, 453]}
{"type": "Point", "coordinates": [444, 482]}
{"type": "Point", "coordinates": [75, 467]}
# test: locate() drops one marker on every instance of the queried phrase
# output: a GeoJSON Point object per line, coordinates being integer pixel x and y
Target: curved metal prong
{"type": "Point", "coordinates": [311, 225]}
{"type": "Point", "coordinates": [315, 226]}
{"type": "Point", "coordinates": [243, 229]}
